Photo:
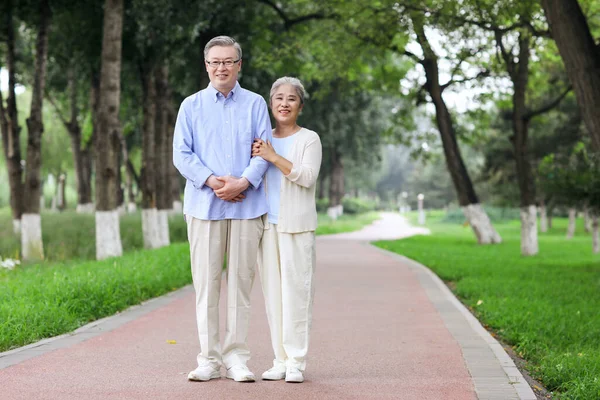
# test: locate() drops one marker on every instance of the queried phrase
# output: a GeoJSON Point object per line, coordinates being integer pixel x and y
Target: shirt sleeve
{"type": "Point", "coordinates": [305, 174]}
{"type": "Point", "coordinates": [185, 160]}
{"type": "Point", "coordinates": [255, 171]}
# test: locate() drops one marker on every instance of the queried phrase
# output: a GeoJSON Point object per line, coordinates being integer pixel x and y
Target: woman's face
{"type": "Point", "coordinates": [285, 104]}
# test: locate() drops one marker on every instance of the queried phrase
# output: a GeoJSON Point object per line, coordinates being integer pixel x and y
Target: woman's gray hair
{"type": "Point", "coordinates": [222, 41]}
{"type": "Point", "coordinates": [296, 84]}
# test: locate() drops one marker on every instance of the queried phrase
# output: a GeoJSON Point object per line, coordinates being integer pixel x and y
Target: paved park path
{"type": "Point", "coordinates": [384, 327]}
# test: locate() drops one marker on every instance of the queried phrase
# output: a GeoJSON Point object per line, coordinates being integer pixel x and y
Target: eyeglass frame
{"type": "Point", "coordinates": [233, 62]}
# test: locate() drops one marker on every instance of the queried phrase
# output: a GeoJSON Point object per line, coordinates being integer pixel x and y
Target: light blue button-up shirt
{"type": "Point", "coordinates": [213, 136]}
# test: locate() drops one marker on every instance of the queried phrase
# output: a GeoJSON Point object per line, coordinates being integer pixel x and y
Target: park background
{"type": "Point", "coordinates": [480, 107]}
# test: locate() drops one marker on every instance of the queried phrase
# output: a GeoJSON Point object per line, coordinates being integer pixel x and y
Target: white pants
{"type": "Point", "coordinates": [209, 240]}
{"type": "Point", "coordinates": [286, 262]}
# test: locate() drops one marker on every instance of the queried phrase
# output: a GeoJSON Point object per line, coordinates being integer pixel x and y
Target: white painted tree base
{"type": "Point", "coordinates": [595, 235]}
{"type": "Point", "coordinates": [529, 234]}
{"type": "Point", "coordinates": [163, 227]}
{"type": "Point", "coordinates": [122, 209]}
{"type": "Point", "coordinates": [543, 219]}
{"type": "Point", "coordinates": [16, 226]}
{"type": "Point", "coordinates": [332, 212]}
{"type": "Point", "coordinates": [177, 207]}
{"type": "Point", "coordinates": [481, 224]}
{"type": "Point", "coordinates": [150, 228]}
{"type": "Point", "coordinates": [86, 208]}
{"type": "Point", "coordinates": [108, 235]}
{"type": "Point", "coordinates": [31, 237]}
{"type": "Point", "coordinates": [571, 227]}
{"type": "Point", "coordinates": [131, 208]}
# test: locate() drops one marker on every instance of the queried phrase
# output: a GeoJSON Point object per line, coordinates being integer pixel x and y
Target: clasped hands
{"type": "Point", "coordinates": [228, 188]}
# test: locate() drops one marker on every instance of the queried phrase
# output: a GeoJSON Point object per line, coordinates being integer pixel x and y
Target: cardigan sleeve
{"type": "Point", "coordinates": [306, 172]}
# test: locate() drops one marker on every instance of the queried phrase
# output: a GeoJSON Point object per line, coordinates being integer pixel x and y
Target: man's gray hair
{"type": "Point", "coordinates": [296, 84]}
{"type": "Point", "coordinates": [222, 41]}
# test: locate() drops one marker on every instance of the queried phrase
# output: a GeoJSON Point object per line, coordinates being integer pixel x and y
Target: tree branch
{"type": "Point", "coordinates": [481, 74]}
{"type": "Point", "coordinates": [552, 104]}
{"type": "Point", "coordinates": [288, 22]}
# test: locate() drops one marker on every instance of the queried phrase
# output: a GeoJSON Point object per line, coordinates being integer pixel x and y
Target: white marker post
{"type": "Point", "coordinates": [420, 197]}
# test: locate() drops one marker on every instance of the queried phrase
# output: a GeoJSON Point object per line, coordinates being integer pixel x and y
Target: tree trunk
{"type": "Point", "coordinates": [519, 74]}
{"type": "Point", "coordinates": [147, 174]}
{"type": "Point", "coordinates": [587, 219]}
{"type": "Point", "coordinates": [31, 234]}
{"type": "Point", "coordinates": [11, 140]}
{"type": "Point", "coordinates": [572, 221]}
{"type": "Point", "coordinates": [321, 188]}
{"type": "Point", "coordinates": [543, 218]}
{"type": "Point", "coordinates": [130, 202]}
{"type": "Point", "coordinates": [581, 56]}
{"type": "Point", "coordinates": [175, 177]}
{"type": "Point", "coordinates": [336, 182]}
{"type": "Point", "coordinates": [163, 156]}
{"type": "Point", "coordinates": [81, 157]}
{"type": "Point", "coordinates": [595, 236]}
{"type": "Point", "coordinates": [467, 198]}
{"type": "Point", "coordinates": [61, 200]}
{"type": "Point", "coordinates": [108, 237]}
{"type": "Point", "coordinates": [529, 237]}
{"type": "Point", "coordinates": [85, 202]}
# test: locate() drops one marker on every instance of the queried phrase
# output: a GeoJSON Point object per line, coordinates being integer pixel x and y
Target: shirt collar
{"type": "Point", "coordinates": [215, 94]}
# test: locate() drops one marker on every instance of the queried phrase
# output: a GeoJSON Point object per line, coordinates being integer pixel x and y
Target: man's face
{"type": "Point", "coordinates": [223, 78]}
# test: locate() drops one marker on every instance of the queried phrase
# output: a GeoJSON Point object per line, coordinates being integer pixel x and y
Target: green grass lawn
{"type": "Point", "coordinates": [345, 223]}
{"type": "Point", "coordinates": [70, 289]}
{"type": "Point", "coordinates": [547, 306]}
{"type": "Point", "coordinates": [39, 301]}
{"type": "Point", "coordinates": [69, 236]}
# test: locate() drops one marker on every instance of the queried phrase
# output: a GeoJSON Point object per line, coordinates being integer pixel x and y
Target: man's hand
{"type": "Point", "coordinates": [232, 188]}
{"type": "Point", "coordinates": [216, 183]}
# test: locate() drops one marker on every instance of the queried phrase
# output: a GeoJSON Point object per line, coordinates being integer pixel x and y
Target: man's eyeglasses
{"type": "Point", "coordinates": [226, 63]}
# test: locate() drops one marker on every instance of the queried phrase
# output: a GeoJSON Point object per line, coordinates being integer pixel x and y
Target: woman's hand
{"type": "Point", "coordinates": [264, 149]}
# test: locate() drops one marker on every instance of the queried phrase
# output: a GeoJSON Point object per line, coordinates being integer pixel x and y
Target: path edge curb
{"type": "Point", "coordinates": [513, 374]}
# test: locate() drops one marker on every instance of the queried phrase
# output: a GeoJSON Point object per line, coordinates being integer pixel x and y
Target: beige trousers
{"type": "Point", "coordinates": [286, 262]}
{"type": "Point", "coordinates": [209, 241]}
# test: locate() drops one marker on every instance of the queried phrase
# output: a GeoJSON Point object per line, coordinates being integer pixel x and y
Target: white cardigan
{"type": "Point", "coordinates": [297, 205]}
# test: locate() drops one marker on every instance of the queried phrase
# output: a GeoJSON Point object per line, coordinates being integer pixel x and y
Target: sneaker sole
{"type": "Point", "coordinates": [247, 379]}
{"type": "Point", "coordinates": [216, 375]}
{"type": "Point", "coordinates": [273, 378]}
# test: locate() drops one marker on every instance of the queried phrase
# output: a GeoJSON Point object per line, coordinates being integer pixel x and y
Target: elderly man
{"type": "Point", "coordinates": [223, 204]}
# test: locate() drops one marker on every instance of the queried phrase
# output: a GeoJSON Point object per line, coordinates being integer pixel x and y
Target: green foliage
{"type": "Point", "coordinates": [496, 215]}
{"type": "Point", "coordinates": [574, 179]}
{"type": "Point", "coordinates": [545, 307]}
{"type": "Point", "coordinates": [353, 205]}
{"type": "Point", "coordinates": [71, 236]}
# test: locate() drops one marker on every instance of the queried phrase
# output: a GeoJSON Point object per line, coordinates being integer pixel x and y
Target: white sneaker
{"type": "Point", "coordinates": [240, 373]}
{"type": "Point", "coordinates": [293, 375]}
{"type": "Point", "coordinates": [276, 373]}
{"type": "Point", "coordinates": [204, 373]}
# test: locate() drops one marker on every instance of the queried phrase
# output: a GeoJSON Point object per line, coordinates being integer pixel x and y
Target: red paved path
{"type": "Point", "coordinates": [375, 335]}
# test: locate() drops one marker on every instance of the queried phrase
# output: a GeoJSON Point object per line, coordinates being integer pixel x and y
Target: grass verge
{"type": "Point", "coordinates": [545, 306]}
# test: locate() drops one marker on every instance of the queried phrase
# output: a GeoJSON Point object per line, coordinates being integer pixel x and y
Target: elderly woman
{"type": "Point", "coordinates": [286, 258]}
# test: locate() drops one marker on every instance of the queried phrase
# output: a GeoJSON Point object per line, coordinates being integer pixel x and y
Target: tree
{"type": "Point", "coordinates": [581, 55]}
{"type": "Point", "coordinates": [10, 122]}
{"type": "Point", "coordinates": [31, 228]}
{"type": "Point", "coordinates": [514, 31]}
{"type": "Point", "coordinates": [108, 236]}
